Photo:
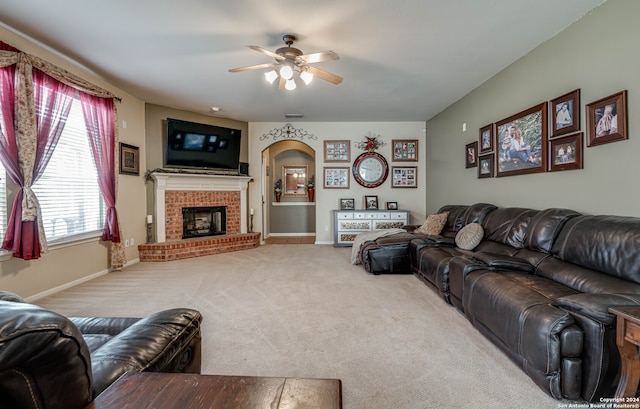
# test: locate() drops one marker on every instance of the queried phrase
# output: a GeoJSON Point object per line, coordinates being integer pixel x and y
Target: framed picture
{"type": "Point", "coordinates": [471, 155]}
{"type": "Point", "coordinates": [405, 150]}
{"type": "Point", "coordinates": [392, 205]}
{"type": "Point", "coordinates": [337, 151]}
{"type": "Point", "coordinates": [486, 139]}
{"type": "Point", "coordinates": [485, 166]}
{"type": "Point", "coordinates": [521, 142]}
{"type": "Point", "coordinates": [371, 202]}
{"type": "Point", "coordinates": [566, 153]}
{"type": "Point", "coordinates": [129, 159]}
{"type": "Point", "coordinates": [607, 119]}
{"type": "Point", "coordinates": [336, 178]}
{"type": "Point", "coordinates": [405, 176]}
{"type": "Point", "coordinates": [347, 204]}
{"type": "Point", "coordinates": [566, 113]}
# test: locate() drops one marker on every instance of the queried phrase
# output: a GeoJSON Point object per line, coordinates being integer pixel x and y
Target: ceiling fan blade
{"type": "Point", "coordinates": [281, 84]}
{"type": "Point", "coordinates": [324, 75]}
{"type": "Point", "coordinates": [278, 57]}
{"type": "Point", "coordinates": [253, 67]}
{"type": "Point", "coordinates": [318, 57]}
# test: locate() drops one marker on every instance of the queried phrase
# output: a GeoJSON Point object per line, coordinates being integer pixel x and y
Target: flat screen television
{"type": "Point", "coordinates": [200, 146]}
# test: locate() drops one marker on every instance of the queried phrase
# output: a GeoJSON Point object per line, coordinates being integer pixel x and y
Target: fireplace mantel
{"type": "Point", "coordinates": [186, 182]}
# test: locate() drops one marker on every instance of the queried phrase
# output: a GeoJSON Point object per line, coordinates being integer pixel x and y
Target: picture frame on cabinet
{"type": "Point", "coordinates": [347, 204]}
{"type": "Point", "coordinates": [371, 202]}
{"type": "Point", "coordinates": [392, 205]}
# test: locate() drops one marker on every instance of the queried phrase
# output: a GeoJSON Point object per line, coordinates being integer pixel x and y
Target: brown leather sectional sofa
{"type": "Point", "coordinates": [538, 286]}
{"type": "Point", "coordinates": [54, 362]}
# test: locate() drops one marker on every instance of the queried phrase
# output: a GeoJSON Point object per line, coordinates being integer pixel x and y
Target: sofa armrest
{"type": "Point", "coordinates": [595, 306]}
{"type": "Point", "coordinates": [503, 262]}
{"type": "Point", "coordinates": [167, 341]}
{"type": "Point", "coordinates": [44, 361]}
{"type": "Point", "coordinates": [100, 325]}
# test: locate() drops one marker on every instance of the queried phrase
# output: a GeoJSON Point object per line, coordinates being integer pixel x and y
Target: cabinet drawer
{"type": "Point", "coordinates": [344, 215]}
{"type": "Point", "coordinates": [359, 215]}
{"type": "Point", "coordinates": [388, 224]}
{"type": "Point", "coordinates": [354, 225]}
{"type": "Point", "coordinates": [378, 215]}
{"type": "Point", "coordinates": [399, 215]}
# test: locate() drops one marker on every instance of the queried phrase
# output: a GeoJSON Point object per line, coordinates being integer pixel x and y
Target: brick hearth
{"type": "Point", "coordinates": [197, 246]}
{"type": "Point", "coordinates": [175, 191]}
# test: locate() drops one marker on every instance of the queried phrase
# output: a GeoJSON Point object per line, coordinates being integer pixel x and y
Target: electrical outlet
{"type": "Point", "coordinates": [326, 227]}
{"type": "Point", "coordinates": [126, 243]}
{"type": "Point", "coordinates": [132, 241]}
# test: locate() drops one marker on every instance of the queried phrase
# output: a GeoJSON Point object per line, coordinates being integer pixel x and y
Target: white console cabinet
{"type": "Point", "coordinates": [348, 223]}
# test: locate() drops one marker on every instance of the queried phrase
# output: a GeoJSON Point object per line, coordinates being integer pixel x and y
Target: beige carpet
{"type": "Point", "coordinates": [303, 310]}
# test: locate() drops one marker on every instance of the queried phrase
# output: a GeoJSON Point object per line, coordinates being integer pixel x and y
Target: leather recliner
{"type": "Point", "coordinates": [48, 361]}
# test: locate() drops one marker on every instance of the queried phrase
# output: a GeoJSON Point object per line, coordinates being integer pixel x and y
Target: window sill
{"type": "Point", "coordinates": [5, 255]}
{"type": "Point", "coordinates": [62, 243]}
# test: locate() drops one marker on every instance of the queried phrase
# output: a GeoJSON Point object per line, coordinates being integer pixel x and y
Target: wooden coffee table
{"type": "Point", "coordinates": [628, 340]}
{"type": "Point", "coordinates": [146, 390]}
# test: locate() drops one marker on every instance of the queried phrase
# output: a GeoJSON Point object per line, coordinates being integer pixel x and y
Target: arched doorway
{"type": "Point", "coordinates": [292, 213]}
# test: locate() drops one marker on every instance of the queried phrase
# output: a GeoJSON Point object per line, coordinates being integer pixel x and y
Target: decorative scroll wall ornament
{"type": "Point", "coordinates": [371, 143]}
{"type": "Point", "coordinates": [288, 132]}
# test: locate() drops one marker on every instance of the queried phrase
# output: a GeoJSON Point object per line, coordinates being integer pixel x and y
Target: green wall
{"type": "Point", "coordinates": [599, 55]}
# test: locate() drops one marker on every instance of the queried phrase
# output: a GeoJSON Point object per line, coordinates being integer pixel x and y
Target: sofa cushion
{"type": "Point", "coordinates": [433, 224]}
{"type": "Point", "coordinates": [469, 236]}
{"type": "Point", "coordinates": [607, 244]}
{"type": "Point", "coordinates": [545, 226]}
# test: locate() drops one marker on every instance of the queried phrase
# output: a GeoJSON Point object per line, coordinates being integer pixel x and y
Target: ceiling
{"type": "Point", "coordinates": [401, 60]}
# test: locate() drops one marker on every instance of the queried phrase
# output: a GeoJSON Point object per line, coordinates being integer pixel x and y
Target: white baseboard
{"type": "Point", "coordinates": [75, 282]}
{"type": "Point", "coordinates": [291, 234]}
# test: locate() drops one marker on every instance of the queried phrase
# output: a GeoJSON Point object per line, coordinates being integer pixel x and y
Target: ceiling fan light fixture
{"type": "Point", "coordinates": [271, 76]}
{"type": "Point", "coordinates": [286, 71]}
{"type": "Point", "coordinates": [306, 76]}
{"type": "Point", "coordinates": [290, 85]}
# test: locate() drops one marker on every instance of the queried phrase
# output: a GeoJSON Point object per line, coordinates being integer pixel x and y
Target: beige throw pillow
{"type": "Point", "coordinates": [469, 236]}
{"type": "Point", "coordinates": [434, 224]}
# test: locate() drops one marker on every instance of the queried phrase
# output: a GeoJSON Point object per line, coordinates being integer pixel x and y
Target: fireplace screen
{"type": "Point", "coordinates": [204, 221]}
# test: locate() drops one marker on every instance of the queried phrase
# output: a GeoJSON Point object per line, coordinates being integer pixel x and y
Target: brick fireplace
{"type": "Point", "coordinates": [175, 191]}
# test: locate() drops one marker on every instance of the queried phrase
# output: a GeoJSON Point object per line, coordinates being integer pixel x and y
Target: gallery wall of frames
{"type": "Point", "coordinates": [547, 136]}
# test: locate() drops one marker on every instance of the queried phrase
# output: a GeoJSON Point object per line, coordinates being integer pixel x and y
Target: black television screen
{"type": "Point", "coordinates": [201, 146]}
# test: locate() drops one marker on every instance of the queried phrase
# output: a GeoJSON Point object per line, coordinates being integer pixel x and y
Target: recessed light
{"type": "Point", "coordinates": [216, 109]}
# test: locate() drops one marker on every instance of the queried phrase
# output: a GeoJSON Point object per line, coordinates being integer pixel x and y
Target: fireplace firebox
{"type": "Point", "coordinates": [204, 221]}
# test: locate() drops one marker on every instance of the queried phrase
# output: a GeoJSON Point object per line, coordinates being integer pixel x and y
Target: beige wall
{"type": "Point", "coordinates": [155, 129]}
{"type": "Point", "coordinates": [329, 199]}
{"type": "Point", "coordinates": [599, 55]}
{"type": "Point", "coordinates": [69, 264]}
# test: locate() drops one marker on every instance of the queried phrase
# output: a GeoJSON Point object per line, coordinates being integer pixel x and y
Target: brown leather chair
{"type": "Point", "coordinates": [49, 361]}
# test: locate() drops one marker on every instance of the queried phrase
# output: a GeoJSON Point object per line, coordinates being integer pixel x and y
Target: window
{"type": "Point", "coordinates": [68, 191]}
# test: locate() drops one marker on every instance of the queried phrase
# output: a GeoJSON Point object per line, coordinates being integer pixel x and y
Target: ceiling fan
{"type": "Point", "coordinates": [291, 62]}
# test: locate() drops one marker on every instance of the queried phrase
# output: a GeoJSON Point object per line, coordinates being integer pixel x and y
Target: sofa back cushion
{"type": "Point", "coordinates": [545, 226]}
{"type": "Point", "coordinates": [606, 244]}
{"type": "Point", "coordinates": [455, 220]}
{"type": "Point", "coordinates": [476, 213]}
{"type": "Point", "coordinates": [508, 225]}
